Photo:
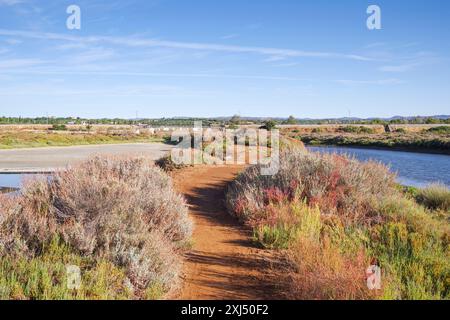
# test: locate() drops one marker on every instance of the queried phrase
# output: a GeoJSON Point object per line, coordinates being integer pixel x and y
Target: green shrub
{"type": "Point", "coordinates": [408, 190]}
{"type": "Point", "coordinates": [44, 277]}
{"type": "Point", "coordinates": [418, 263]}
{"type": "Point", "coordinates": [328, 261]}
{"type": "Point", "coordinates": [166, 163]}
{"type": "Point", "coordinates": [440, 130]}
{"type": "Point", "coordinates": [59, 127]}
{"type": "Point", "coordinates": [270, 125]}
{"type": "Point", "coordinates": [360, 129]}
{"type": "Point", "coordinates": [287, 223]}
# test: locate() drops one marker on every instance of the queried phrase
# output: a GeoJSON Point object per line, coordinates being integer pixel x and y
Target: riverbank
{"type": "Point", "coordinates": [412, 168]}
{"type": "Point", "coordinates": [418, 142]}
{"type": "Point", "coordinates": [7, 190]}
{"type": "Point", "coordinates": [381, 148]}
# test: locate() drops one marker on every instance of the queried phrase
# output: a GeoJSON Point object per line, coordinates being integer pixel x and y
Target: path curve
{"type": "Point", "coordinates": [224, 263]}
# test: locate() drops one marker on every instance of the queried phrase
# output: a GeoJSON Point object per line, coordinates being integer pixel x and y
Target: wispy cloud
{"type": "Point", "coordinates": [71, 46]}
{"type": "Point", "coordinates": [13, 41]}
{"type": "Point", "coordinates": [10, 2]}
{"type": "Point", "coordinates": [152, 74]}
{"type": "Point", "coordinates": [254, 26]}
{"type": "Point", "coordinates": [399, 68]}
{"type": "Point", "coordinates": [116, 91]}
{"type": "Point", "coordinates": [285, 65]}
{"type": "Point", "coordinates": [92, 55]}
{"type": "Point", "coordinates": [230, 36]}
{"type": "Point", "coordinates": [274, 59]}
{"type": "Point", "coordinates": [375, 45]}
{"type": "Point", "coordinates": [410, 63]}
{"type": "Point", "coordinates": [371, 82]}
{"type": "Point", "coordinates": [19, 63]}
{"type": "Point", "coordinates": [143, 42]}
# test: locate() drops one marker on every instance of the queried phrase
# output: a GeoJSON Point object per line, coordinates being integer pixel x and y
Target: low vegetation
{"type": "Point", "coordinates": [25, 139]}
{"type": "Point", "coordinates": [333, 217]}
{"type": "Point", "coordinates": [59, 127]}
{"type": "Point", "coordinates": [118, 219]}
{"type": "Point", "coordinates": [435, 196]}
{"type": "Point", "coordinates": [168, 165]}
{"type": "Point", "coordinates": [440, 130]}
{"type": "Point", "coordinates": [355, 129]}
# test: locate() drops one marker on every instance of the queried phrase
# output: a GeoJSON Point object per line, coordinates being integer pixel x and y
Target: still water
{"type": "Point", "coordinates": [13, 180]}
{"type": "Point", "coordinates": [413, 169]}
{"type": "Point", "coordinates": [10, 180]}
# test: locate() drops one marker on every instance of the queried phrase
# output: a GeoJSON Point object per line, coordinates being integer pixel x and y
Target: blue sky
{"type": "Point", "coordinates": [165, 58]}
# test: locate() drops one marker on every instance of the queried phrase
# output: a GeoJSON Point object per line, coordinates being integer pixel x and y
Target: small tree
{"type": "Point", "coordinates": [291, 120]}
{"type": "Point", "coordinates": [269, 125]}
{"type": "Point", "coordinates": [235, 119]}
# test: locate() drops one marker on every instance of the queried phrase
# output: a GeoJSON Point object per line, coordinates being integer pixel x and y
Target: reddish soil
{"type": "Point", "coordinates": [224, 263]}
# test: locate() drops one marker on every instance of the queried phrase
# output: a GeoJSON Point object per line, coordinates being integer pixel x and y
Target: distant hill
{"type": "Point", "coordinates": [442, 117]}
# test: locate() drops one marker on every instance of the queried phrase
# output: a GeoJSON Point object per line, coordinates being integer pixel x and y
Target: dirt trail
{"type": "Point", "coordinates": [224, 263]}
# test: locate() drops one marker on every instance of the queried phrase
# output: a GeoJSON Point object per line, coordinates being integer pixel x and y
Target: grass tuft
{"type": "Point", "coordinates": [435, 196]}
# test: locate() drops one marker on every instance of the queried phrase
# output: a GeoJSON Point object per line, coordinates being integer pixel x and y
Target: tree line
{"type": "Point", "coordinates": [233, 121]}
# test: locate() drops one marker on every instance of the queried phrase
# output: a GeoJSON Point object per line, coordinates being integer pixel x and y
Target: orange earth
{"type": "Point", "coordinates": [224, 263]}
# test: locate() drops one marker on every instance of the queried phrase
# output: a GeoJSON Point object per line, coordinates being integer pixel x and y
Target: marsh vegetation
{"type": "Point", "coordinates": [435, 139]}
{"type": "Point", "coordinates": [333, 216]}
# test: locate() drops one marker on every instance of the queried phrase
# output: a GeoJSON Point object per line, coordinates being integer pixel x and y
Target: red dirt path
{"type": "Point", "coordinates": [224, 263]}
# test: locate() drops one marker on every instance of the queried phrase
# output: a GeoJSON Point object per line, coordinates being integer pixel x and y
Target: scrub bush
{"type": "Point", "coordinates": [120, 210]}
